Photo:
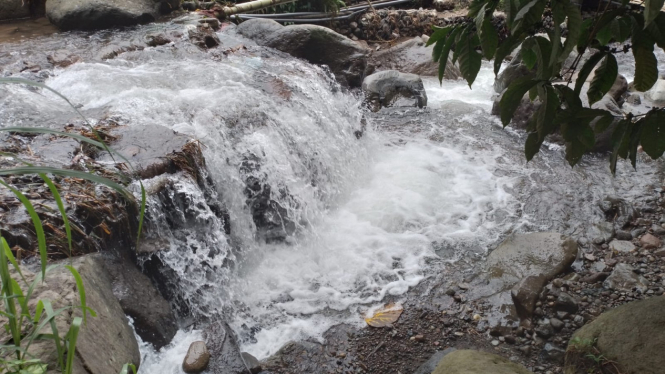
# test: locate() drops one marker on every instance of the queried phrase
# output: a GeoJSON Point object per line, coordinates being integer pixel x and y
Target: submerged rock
{"type": "Point", "coordinates": [203, 36]}
{"type": "Point", "coordinates": [383, 88]}
{"type": "Point", "coordinates": [476, 362]}
{"type": "Point", "coordinates": [197, 358]}
{"type": "Point", "coordinates": [412, 56]}
{"type": "Point", "coordinates": [631, 336]}
{"type": "Point", "coordinates": [99, 14]}
{"type": "Point", "coordinates": [320, 45]}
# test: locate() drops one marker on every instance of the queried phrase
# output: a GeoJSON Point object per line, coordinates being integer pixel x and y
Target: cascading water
{"type": "Point", "coordinates": [324, 223]}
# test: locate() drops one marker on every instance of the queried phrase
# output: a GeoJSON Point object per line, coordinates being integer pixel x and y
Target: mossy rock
{"type": "Point", "coordinates": [476, 362]}
{"type": "Point", "coordinates": [628, 339]}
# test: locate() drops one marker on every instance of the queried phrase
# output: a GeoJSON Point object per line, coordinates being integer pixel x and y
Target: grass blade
{"type": "Point", "coordinates": [72, 336]}
{"type": "Point", "coordinates": [61, 207]}
{"type": "Point", "coordinates": [126, 367]}
{"type": "Point", "coordinates": [36, 222]}
{"type": "Point", "coordinates": [50, 315]}
{"type": "Point", "coordinates": [11, 258]}
{"type": "Point", "coordinates": [81, 289]}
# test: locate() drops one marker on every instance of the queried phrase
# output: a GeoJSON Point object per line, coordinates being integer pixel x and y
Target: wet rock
{"type": "Point", "coordinates": [383, 88]}
{"type": "Point", "coordinates": [204, 37]}
{"type": "Point", "coordinates": [634, 99]}
{"type": "Point", "coordinates": [630, 335]}
{"type": "Point", "coordinates": [62, 58]}
{"type": "Point", "coordinates": [13, 9]}
{"type": "Point", "coordinates": [619, 88]}
{"type": "Point", "coordinates": [197, 358]}
{"type": "Point", "coordinates": [107, 342]}
{"type": "Point", "coordinates": [544, 331]}
{"type": "Point", "coordinates": [476, 362]}
{"type": "Point", "coordinates": [319, 45]}
{"type": "Point", "coordinates": [515, 69]}
{"type": "Point", "coordinates": [153, 318]}
{"type": "Point", "coordinates": [225, 356]}
{"type": "Point", "coordinates": [637, 232]}
{"type": "Point", "coordinates": [429, 365]}
{"type": "Point", "coordinates": [657, 93]}
{"type": "Point", "coordinates": [649, 241]}
{"type": "Point", "coordinates": [623, 246]}
{"type": "Point", "coordinates": [601, 232]}
{"type": "Point", "coordinates": [557, 324]}
{"type": "Point", "coordinates": [443, 5]}
{"type": "Point", "coordinates": [525, 294]}
{"type": "Point", "coordinates": [595, 277]}
{"type": "Point", "coordinates": [99, 14]}
{"type": "Point", "coordinates": [252, 363]}
{"type": "Point", "coordinates": [259, 30]}
{"type": "Point", "coordinates": [566, 303]}
{"type": "Point", "coordinates": [212, 22]}
{"type": "Point", "coordinates": [157, 40]}
{"type": "Point", "coordinates": [544, 254]}
{"type": "Point", "coordinates": [624, 278]}
{"type": "Point", "coordinates": [552, 353]}
{"type": "Point", "coordinates": [623, 235]}
{"type": "Point", "coordinates": [412, 56]}
{"type": "Point", "coordinates": [619, 211]}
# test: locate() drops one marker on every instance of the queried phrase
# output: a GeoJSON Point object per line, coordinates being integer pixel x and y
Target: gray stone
{"type": "Point", "coordinates": [476, 362]}
{"type": "Point", "coordinates": [649, 241]}
{"type": "Point", "coordinates": [320, 45]}
{"type": "Point", "coordinates": [634, 99]}
{"type": "Point", "coordinates": [557, 324]}
{"type": "Point", "coordinates": [657, 93]}
{"type": "Point", "coordinates": [566, 303]}
{"type": "Point", "coordinates": [552, 353]}
{"type": "Point", "coordinates": [429, 365]}
{"type": "Point", "coordinates": [443, 5]}
{"type": "Point", "coordinates": [623, 278]}
{"type": "Point", "coordinates": [622, 246]}
{"type": "Point", "coordinates": [623, 235]}
{"type": "Point", "coordinates": [259, 30]}
{"type": "Point", "coordinates": [525, 294]}
{"type": "Point", "coordinates": [412, 56]}
{"type": "Point", "coordinates": [107, 341]}
{"type": "Point", "coordinates": [224, 351]}
{"type": "Point", "coordinates": [153, 318]}
{"type": "Point", "coordinates": [14, 9]}
{"type": "Point", "coordinates": [99, 14]}
{"type": "Point", "coordinates": [252, 363]}
{"type": "Point", "coordinates": [631, 336]}
{"type": "Point", "coordinates": [383, 88]}
{"type": "Point", "coordinates": [197, 358]}
{"type": "Point", "coordinates": [62, 58]}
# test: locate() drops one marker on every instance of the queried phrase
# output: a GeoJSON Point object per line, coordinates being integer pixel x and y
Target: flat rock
{"type": "Point", "coordinates": [476, 362]}
{"type": "Point", "coordinates": [631, 335]}
{"type": "Point", "coordinates": [384, 87]}
{"type": "Point", "coordinates": [624, 278]}
{"type": "Point", "coordinates": [649, 241]}
{"type": "Point", "coordinates": [412, 56]}
{"type": "Point", "coordinates": [258, 29]}
{"type": "Point", "coordinates": [99, 14]}
{"type": "Point", "coordinates": [622, 246]}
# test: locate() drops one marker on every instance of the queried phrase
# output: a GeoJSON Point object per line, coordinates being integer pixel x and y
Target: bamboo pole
{"type": "Point", "coordinates": [252, 5]}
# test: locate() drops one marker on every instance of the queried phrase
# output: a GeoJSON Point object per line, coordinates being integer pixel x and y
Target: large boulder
{"type": "Point", "coordinates": [99, 14]}
{"type": "Point", "coordinates": [107, 341]}
{"type": "Point", "coordinates": [13, 9]}
{"type": "Point", "coordinates": [258, 29]}
{"type": "Point", "coordinates": [384, 87]}
{"type": "Point", "coordinates": [319, 45]}
{"type": "Point", "coordinates": [476, 362]}
{"type": "Point", "coordinates": [515, 69]}
{"type": "Point", "coordinates": [412, 56]}
{"type": "Point", "coordinates": [153, 317]}
{"type": "Point", "coordinates": [631, 336]}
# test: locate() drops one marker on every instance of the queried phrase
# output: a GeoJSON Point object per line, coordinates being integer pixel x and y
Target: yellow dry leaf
{"type": "Point", "coordinates": [385, 316]}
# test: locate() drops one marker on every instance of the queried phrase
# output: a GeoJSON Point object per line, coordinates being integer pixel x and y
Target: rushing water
{"type": "Point", "coordinates": [372, 216]}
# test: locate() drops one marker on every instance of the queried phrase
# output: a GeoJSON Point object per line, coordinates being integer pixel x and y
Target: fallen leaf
{"type": "Point", "coordinates": [385, 316]}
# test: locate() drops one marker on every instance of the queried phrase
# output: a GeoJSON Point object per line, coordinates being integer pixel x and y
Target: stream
{"type": "Point", "coordinates": [369, 217]}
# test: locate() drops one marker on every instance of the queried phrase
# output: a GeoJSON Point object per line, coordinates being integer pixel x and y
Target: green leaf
{"type": "Point", "coordinates": [489, 39]}
{"type": "Point", "coordinates": [656, 30]}
{"type": "Point", "coordinates": [445, 52]}
{"type": "Point", "coordinates": [558, 16]}
{"type": "Point", "coordinates": [625, 29]}
{"type": "Point", "coordinates": [652, 10]}
{"type": "Point", "coordinates": [469, 59]}
{"type": "Point", "coordinates": [620, 138]}
{"type": "Point", "coordinates": [543, 48]}
{"type": "Point", "coordinates": [574, 29]}
{"type": "Point", "coordinates": [528, 17]}
{"type": "Point", "coordinates": [547, 112]}
{"type": "Point", "coordinates": [81, 289]}
{"type": "Point", "coordinates": [528, 55]}
{"type": "Point", "coordinates": [11, 258]}
{"type": "Point", "coordinates": [532, 145]}
{"type": "Point", "coordinates": [438, 34]}
{"type": "Point", "coordinates": [126, 367]}
{"type": "Point", "coordinates": [587, 68]}
{"type": "Point", "coordinates": [653, 133]}
{"type": "Point", "coordinates": [646, 67]}
{"type": "Point", "coordinates": [36, 222]}
{"type": "Point", "coordinates": [505, 49]}
{"type": "Point", "coordinates": [512, 97]}
{"type": "Point", "coordinates": [604, 79]}
{"type": "Point", "coordinates": [605, 34]}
